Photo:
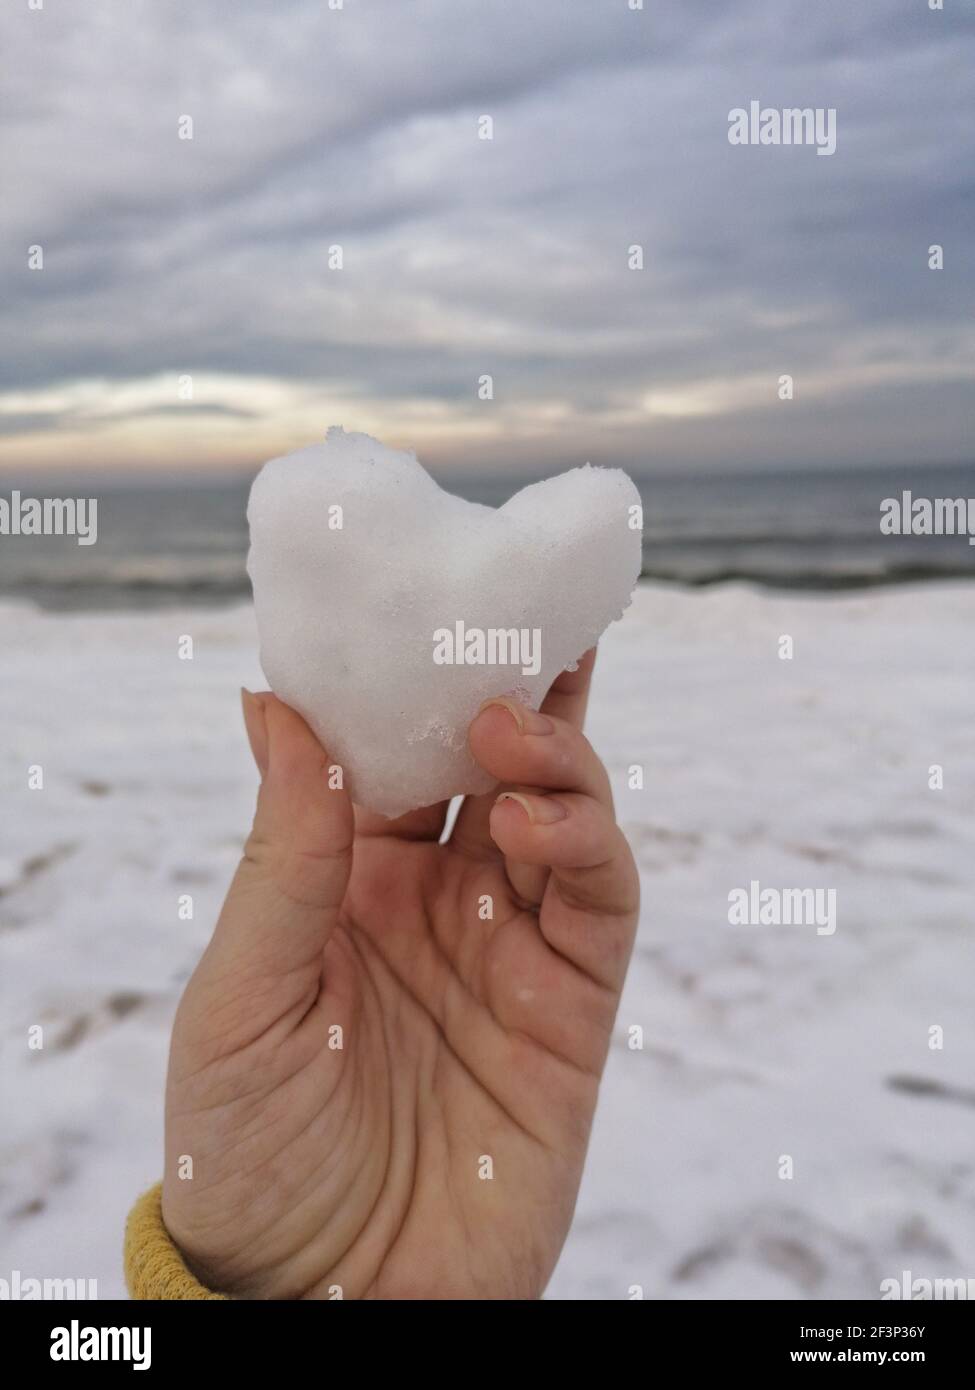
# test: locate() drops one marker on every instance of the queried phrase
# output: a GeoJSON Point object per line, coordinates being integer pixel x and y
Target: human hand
{"type": "Point", "coordinates": [437, 1152]}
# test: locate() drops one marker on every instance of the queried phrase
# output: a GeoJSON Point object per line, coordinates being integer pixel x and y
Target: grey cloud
{"type": "Point", "coordinates": [461, 256]}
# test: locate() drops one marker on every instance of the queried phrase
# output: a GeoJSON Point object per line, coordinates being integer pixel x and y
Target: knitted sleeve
{"type": "Point", "coordinates": [154, 1268]}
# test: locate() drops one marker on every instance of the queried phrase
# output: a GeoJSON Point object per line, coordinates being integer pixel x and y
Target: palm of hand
{"type": "Point", "coordinates": [401, 1111]}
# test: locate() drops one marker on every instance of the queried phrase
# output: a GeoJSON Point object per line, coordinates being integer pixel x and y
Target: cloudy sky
{"type": "Point", "coordinates": [358, 127]}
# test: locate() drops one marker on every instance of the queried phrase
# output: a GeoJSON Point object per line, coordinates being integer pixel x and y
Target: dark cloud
{"type": "Point", "coordinates": [357, 127]}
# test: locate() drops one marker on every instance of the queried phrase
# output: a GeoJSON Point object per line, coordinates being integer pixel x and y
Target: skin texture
{"type": "Point", "coordinates": [466, 1040]}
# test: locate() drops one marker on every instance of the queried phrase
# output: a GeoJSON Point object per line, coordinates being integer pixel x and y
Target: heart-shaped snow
{"type": "Point", "coordinates": [389, 610]}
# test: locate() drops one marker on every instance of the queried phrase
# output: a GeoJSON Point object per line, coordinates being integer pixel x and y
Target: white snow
{"type": "Point", "coordinates": [389, 610]}
{"type": "Point", "coordinates": [758, 1041]}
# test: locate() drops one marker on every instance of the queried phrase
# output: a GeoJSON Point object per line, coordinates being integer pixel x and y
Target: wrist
{"type": "Point", "coordinates": [155, 1267]}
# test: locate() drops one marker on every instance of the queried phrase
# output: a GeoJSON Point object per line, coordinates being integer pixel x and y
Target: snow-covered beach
{"type": "Point", "coordinates": [759, 1042]}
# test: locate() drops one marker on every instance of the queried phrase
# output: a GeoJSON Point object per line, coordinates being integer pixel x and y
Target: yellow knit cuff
{"type": "Point", "coordinates": [154, 1268]}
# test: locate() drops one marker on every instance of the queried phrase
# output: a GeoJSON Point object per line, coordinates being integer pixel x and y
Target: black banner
{"type": "Point", "coordinates": [184, 1338]}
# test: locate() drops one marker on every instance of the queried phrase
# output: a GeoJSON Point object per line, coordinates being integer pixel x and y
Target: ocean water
{"type": "Point", "coordinates": [164, 544]}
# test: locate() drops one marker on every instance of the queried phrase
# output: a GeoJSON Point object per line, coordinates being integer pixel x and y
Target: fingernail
{"type": "Point", "coordinates": [529, 721]}
{"type": "Point", "coordinates": [540, 810]}
{"type": "Point", "coordinates": [255, 722]}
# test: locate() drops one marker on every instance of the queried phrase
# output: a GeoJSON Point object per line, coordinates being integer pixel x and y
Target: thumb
{"type": "Point", "coordinates": [287, 892]}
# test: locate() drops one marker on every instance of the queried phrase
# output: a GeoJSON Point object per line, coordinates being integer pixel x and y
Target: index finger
{"type": "Point", "coordinates": [568, 694]}
{"type": "Point", "coordinates": [567, 698]}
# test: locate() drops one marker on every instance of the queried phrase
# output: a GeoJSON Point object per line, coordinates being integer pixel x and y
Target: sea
{"type": "Point", "coordinates": [162, 544]}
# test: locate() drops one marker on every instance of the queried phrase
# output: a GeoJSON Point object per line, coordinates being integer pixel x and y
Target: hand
{"type": "Point", "coordinates": [472, 987]}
